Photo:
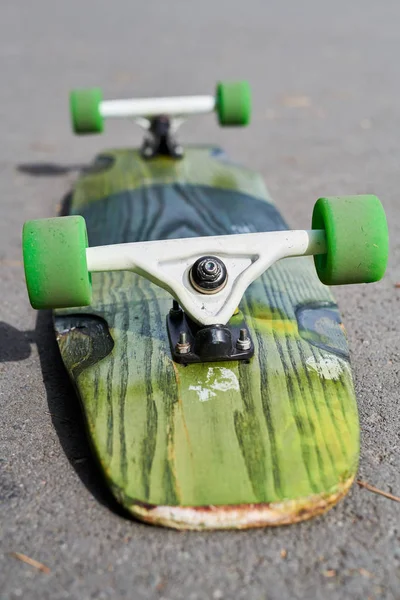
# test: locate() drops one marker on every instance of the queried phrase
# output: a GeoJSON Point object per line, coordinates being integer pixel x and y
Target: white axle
{"type": "Point", "coordinates": [167, 263]}
{"type": "Point", "coordinates": [152, 107]}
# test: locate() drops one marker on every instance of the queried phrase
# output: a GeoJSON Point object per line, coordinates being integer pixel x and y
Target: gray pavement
{"type": "Point", "coordinates": [326, 121]}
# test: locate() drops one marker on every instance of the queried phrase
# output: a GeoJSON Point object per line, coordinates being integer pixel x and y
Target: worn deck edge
{"type": "Point", "coordinates": [239, 516]}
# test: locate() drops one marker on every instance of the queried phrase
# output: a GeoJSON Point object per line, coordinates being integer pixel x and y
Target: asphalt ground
{"type": "Point", "coordinates": [326, 121]}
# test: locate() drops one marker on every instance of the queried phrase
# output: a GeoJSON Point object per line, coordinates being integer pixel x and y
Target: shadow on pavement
{"type": "Point", "coordinates": [45, 169]}
{"type": "Point", "coordinates": [63, 403]}
{"type": "Point", "coordinates": [67, 416]}
{"type": "Point", "coordinates": [14, 344]}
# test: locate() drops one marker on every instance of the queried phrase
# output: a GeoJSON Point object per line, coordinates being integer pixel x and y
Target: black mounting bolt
{"type": "Point", "coordinates": [176, 310]}
{"type": "Point", "coordinates": [208, 275]}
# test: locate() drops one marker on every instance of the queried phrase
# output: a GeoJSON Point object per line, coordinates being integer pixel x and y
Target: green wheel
{"type": "Point", "coordinates": [85, 111]}
{"type": "Point", "coordinates": [233, 103]}
{"type": "Point", "coordinates": [55, 262]}
{"type": "Point", "coordinates": [357, 239]}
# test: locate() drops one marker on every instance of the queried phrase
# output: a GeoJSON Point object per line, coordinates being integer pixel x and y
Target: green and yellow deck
{"type": "Point", "coordinates": [215, 445]}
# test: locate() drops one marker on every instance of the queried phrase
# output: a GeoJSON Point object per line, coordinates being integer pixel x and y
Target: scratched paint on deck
{"type": "Point", "coordinates": [218, 379]}
{"type": "Point", "coordinates": [327, 366]}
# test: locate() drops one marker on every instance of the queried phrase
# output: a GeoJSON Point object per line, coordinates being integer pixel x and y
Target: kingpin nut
{"type": "Point", "coordinates": [208, 275]}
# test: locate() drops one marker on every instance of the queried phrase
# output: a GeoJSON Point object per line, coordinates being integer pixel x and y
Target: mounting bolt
{"type": "Point", "coordinates": [178, 150]}
{"type": "Point", "coordinates": [148, 150]}
{"type": "Point", "coordinates": [183, 346]}
{"type": "Point", "coordinates": [176, 310]}
{"type": "Point", "coordinates": [243, 342]}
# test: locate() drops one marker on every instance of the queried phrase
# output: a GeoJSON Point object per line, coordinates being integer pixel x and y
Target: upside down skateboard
{"type": "Point", "coordinates": [210, 361]}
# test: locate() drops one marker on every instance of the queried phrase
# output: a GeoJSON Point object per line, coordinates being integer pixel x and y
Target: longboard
{"type": "Point", "coordinates": [269, 441]}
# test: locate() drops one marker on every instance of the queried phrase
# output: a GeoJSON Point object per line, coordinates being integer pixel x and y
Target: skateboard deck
{"type": "Point", "coordinates": [269, 441]}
